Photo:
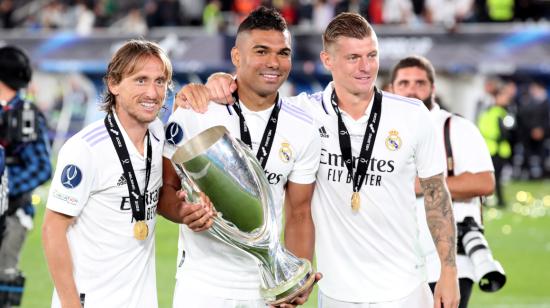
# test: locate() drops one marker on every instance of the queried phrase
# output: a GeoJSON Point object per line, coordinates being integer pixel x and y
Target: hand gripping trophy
{"type": "Point", "coordinates": [230, 175]}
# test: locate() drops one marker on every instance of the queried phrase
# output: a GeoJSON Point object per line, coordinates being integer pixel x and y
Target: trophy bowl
{"type": "Point", "coordinates": [227, 171]}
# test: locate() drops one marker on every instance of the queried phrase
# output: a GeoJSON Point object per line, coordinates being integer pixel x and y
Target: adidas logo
{"type": "Point", "coordinates": [121, 181]}
{"type": "Point", "coordinates": [323, 132]}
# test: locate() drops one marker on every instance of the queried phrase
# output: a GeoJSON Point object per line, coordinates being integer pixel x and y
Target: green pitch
{"type": "Point", "coordinates": [519, 237]}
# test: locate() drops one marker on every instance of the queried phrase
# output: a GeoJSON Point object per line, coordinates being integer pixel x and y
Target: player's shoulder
{"type": "Point", "coordinates": [156, 129]}
{"type": "Point", "coordinates": [296, 109]}
{"type": "Point", "coordinates": [93, 135]}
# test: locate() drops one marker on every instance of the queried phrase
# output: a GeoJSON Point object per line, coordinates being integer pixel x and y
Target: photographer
{"type": "Point", "coordinates": [23, 134]}
{"type": "Point", "coordinates": [469, 177]}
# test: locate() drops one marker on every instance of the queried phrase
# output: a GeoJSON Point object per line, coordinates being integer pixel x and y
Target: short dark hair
{"type": "Point", "coordinates": [263, 18]}
{"type": "Point", "coordinates": [124, 63]}
{"type": "Point", "coordinates": [414, 61]}
{"type": "Point", "coordinates": [347, 25]}
{"type": "Point", "coordinates": [15, 67]}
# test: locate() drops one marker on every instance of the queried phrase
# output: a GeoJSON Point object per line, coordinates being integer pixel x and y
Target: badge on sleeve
{"type": "Point", "coordinates": [174, 133]}
{"type": "Point", "coordinates": [71, 176]}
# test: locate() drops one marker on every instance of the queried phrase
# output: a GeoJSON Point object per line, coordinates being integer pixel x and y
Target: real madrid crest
{"type": "Point", "coordinates": [285, 153]}
{"type": "Point", "coordinates": [393, 141]}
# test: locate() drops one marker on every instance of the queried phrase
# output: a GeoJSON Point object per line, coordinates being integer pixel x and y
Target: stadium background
{"type": "Point", "coordinates": [70, 59]}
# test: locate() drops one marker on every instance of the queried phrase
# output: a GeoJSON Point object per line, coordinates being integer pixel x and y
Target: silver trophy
{"type": "Point", "coordinates": [229, 174]}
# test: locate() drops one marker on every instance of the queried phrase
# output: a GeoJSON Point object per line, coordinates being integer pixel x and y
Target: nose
{"type": "Point", "coordinates": [364, 64]}
{"type": "Point", "coordinates": [152, 91]}
{"type": "Point", "coordinates": [273, 61]}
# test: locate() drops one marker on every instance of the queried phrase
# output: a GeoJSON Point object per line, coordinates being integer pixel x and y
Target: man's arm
{"type": "Point", "coordinates": [439, 215]}
{"type": "Point", "coordinates": [467, 185]}
{"type": "Point", "coordinates": [171, 205]}
{"type": "Point", "coordinates": [58, 257]}
{"type": "Point", "coordinates": [299, 229]}
{"type": "Point", "coordinates": [470, 185]}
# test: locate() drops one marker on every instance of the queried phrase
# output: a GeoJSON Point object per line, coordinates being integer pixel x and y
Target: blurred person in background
{"type": "Point", "coordinates": [3, 192]}
{"type": "Point", "coordinates": [23, 133]}
{"type": "Point", "coordinates": [533, 128]}
{"type": "Point", "coordinates": [495, 126]}
{"type": "Point", "coordinates": [469, 172]}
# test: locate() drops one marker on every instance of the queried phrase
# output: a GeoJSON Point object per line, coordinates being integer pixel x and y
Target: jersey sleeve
{"type": "Point", "coordinates": [307, 161]}
{"type": "Point", "coordinates": [73, 179]}
{"type": "Point", "coordinates": [429, 153]}
{"type": "Point", "coordinates": [176, 131]}
{"type": "Point", "coordinates": [470, 151]}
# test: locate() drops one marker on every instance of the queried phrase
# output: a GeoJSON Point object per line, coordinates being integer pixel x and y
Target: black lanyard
{"type": "Point", "coordinates": [269, 133]}
{"type": "Point", "coordinates": [137, 200]}
{"type": "Point", "coordinates": [368, 139]}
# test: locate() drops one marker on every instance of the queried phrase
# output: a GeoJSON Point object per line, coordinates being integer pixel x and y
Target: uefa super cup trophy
{"type": "Point", "coordinates": [229, 174]}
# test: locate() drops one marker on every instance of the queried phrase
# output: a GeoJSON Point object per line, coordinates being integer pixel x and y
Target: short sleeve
{"type": "Point", "coordinates": [73, 179]}
{"type": "Point", "coordinates": [429, 152]}
{"type": "Point", "coordinates": [470, 151]}
{"type": "Point", "coordinates": [307, 162]}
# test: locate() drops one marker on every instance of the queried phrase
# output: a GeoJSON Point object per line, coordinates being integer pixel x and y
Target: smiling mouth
{"type": "Point", "coordinates": [270, 76]}
{"type": "Point", "coordinates": [148, 106]}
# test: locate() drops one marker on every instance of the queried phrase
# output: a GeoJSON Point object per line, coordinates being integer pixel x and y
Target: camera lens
{"type": "Point", "coordinates": [488, 272]}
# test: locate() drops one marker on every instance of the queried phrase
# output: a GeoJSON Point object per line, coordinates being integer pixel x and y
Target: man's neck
{"type": "Point", "coordinates": [134, 129]}
{"type": "Point", "coordinates": [354, 104]}
{"type": "Point", "coordinates": [254, 102]}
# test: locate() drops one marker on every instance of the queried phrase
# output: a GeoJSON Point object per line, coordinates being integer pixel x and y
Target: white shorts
{"type": "Point", "coordinates": [421, 297]}
{"type": "Point", "coordinates": [186, 298]}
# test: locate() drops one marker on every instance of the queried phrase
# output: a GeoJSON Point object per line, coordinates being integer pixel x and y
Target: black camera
{"type": "Point", "coordinates": [472, 243]}
{"type": "Point", "coordinates": [18, 125]}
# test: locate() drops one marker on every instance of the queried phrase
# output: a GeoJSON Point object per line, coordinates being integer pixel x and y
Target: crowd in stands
{"type": "Point", "coordinates": [136, 16]}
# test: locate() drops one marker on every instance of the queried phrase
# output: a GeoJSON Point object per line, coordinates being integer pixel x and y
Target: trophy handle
{"type": "Point", "coordinates": [188, 185]}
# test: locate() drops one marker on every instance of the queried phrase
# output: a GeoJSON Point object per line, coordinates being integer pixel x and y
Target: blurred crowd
{"type": "Point", "coordinates": [514, 117]}
{"type": "Point", "coordinates": [136, 16]}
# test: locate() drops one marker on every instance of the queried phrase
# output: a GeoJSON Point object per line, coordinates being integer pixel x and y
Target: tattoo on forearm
{"type": "Point", "coordinates": [440, 218]}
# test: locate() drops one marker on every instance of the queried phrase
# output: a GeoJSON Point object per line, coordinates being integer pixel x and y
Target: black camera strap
{"type": "Point", "coordinates": [368, 140]}
{"type": "Point", "coordinates": [137, 200]}
{"type": "Point", "coordinates": [269, 132]}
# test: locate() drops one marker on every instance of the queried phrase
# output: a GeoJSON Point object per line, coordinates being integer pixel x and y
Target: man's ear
{"type": "Point", "coordinates": [235, 57]}
{"type": "Point", "coordinates": [113, 87]}
{"type": "Point", "coordinates": [326, 60]}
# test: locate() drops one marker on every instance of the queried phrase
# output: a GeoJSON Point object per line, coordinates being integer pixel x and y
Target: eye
{"type": "Point", "coordinates": [160, 82]}
{"type": "Point", "coordinates": [140, 80]}
{"type": "Point", "coordinates": [285, 53]}
{"type": "Point", "coordinates": [261, 51]}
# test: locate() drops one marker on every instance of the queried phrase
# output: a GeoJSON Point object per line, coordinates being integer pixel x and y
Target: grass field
{"type": "Point", "coordinates": [519, 237]}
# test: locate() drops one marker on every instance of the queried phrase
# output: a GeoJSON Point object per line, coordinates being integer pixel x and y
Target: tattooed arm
{"type": "Point", "coordinates": [439, 215]}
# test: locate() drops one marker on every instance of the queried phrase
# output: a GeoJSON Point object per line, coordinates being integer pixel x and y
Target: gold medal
{"type": "Point", "coordinates": [140, 230]}
{"type": "Point", "coordinates": [355, 201]}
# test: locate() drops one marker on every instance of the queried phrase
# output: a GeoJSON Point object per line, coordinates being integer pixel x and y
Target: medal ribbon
{"type": "Point", "coordinates": [137, 200]}
{"type": "Point", "coordinates": [368, 139]}
{"type": "Point", "coordinates": [269, 132]}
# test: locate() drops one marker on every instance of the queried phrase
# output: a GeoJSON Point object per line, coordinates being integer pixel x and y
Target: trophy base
{"type": "Point", "coordinates": [291, 288]}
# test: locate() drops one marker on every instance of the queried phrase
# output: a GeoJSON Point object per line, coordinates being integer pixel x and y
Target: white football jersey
{"type": "Point", "coordinates": [470, 154]}
{"type": "Point", "coordinates": [373, 255]}
{"type": "Point", "coordinates": [111, 267]}
{"type": "Point", "coordinates": [211, 266]}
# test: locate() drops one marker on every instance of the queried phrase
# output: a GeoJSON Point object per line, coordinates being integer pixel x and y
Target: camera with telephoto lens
{"type": "Point", "coordinates": [472, 243]}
